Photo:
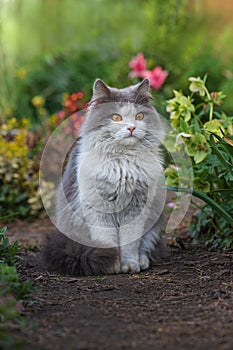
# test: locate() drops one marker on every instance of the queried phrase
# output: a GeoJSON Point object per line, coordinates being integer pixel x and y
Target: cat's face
{"type": "Point", "coordinates": [127, 125]}
{"type": "Point", "coordinates": [122, 117]}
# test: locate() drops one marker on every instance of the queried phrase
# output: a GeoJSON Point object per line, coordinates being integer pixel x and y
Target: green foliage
{"type": "Point", "coordinates": [9, 279]}
{"type": "Point", "coordinates": [12, 291]}
{"type": "Point", "coordinates": [204, 132]}
{"type": "Point", "coordinates": [56, 75]}
{"type": "Point", "coordinates": [19, 189]}
{"type": "Point", "coordinates": [102, 25]}
{"type": "Point", "coordinates": [8, 252]}
{"type": "Point", "coordinates": [204, 227]}
{"type": "Point", "coordinates": [10, 283]}
{"type": "Point", "coordinates": [166, 21]}
{"type": "Point", "coordinates": [72, 39]}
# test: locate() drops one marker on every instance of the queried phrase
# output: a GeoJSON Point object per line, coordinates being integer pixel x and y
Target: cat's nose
{"type": "Point", "coordinates": [131, 129]}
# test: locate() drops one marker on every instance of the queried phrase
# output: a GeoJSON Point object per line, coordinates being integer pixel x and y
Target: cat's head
{"type": "Point", "coordinates": [122, 118]}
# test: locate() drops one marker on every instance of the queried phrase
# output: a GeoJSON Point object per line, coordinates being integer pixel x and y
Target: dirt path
{"type": "Point", "coordinates": [186, 302]}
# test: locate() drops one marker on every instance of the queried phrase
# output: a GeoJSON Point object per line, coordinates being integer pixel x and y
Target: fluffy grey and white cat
{"type": "Point", "coordinates": [110, 203]}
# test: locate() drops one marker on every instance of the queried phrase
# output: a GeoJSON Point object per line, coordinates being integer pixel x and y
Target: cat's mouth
{"type": "Point", "coordinates": [130, 140]}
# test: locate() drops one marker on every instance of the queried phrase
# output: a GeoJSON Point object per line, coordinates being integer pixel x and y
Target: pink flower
{"type": "Point", "coordinates": [138, 64]}
{"type": "Point", "coordinates": [61, 114]}
{"type": "Point", "coordinates": [145, 74]}
{"type": "Point", "coordinates": [171, 205]}
{"type": "Point", "coordinates": [157, 77]}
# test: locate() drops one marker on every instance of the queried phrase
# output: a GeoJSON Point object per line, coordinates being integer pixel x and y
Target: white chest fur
{"type": "Point", "coordinates": [105, 178]}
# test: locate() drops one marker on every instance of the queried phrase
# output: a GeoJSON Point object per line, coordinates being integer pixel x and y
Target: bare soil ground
{"type": "Point", "coordinates": [184, 302]}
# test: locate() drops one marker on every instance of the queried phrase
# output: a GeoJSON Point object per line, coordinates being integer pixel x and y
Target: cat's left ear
{"type": "Point", "coordinates": [101, 91]}
{"type": "Point", "coordinates": [142, 93]}
{"type": "Point", "coordinates": [144, 86]}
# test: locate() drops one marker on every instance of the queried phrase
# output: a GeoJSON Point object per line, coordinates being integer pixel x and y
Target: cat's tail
{"type": "Point", "coordinates": [62, 255]}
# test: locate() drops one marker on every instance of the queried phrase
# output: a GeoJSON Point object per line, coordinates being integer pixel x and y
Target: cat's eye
{"type": "Point", "coordinates": [139, 116]}
{"type": "Point", "coordinates": [116, 117]}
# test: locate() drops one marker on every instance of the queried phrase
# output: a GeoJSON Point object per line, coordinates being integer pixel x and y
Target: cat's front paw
{"type": "Point", "coordinates": [144, 262]}
{"type": "Point", "coordinates": [130, 266]}
{"type": "Point", "coordinates": [115, 269]}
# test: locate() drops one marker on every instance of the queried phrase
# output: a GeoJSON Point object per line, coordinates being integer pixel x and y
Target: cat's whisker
{"type": "Point", "coordinates": [148, 142]}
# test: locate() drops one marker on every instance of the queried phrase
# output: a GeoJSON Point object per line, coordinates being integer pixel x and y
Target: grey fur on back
{"type": "Point", "coordinates": [109, 179]}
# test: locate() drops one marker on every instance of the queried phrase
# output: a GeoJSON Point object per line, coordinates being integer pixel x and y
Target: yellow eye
{"type": "Point", "coordinates": [116, 117]}
{"type": "Point", "coordinates": [139, 116]}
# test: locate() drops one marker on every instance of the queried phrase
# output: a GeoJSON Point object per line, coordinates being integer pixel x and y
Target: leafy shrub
{"type": "Point", "coordinates": [12, 291]}
{"type": "Point", "coordinates": [20, 151]}
{"type": "Point", "coordinates": [19, 167]}
{"type": "Point", "coordinates": [8, 252]}
{"type": "Point", "coordinates": [204, 132]}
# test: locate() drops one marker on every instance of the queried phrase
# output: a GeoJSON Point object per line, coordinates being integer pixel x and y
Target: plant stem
{"type": "Point", "coordinates": [211, 111]}
{"type": "Point", "coordinates": [210, 104]}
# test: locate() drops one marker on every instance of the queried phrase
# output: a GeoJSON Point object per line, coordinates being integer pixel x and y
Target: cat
{"type": "Point", "coordinates": [109, 207]}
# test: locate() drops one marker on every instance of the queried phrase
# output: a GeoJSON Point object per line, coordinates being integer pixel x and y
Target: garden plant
{"type": "Point", "coordinates": [13, 292]}
{"type": "Point", "coordinates": [205, 133]}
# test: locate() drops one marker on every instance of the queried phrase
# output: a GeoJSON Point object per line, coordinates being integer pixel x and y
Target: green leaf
{"type": "Point", "coordinates": [200, 185]}
{"type": "Point", "coordinates": [3, 231]}
{"type": "Point", "coordinates": [206, 199]}
{"type": "Point", "coordinates": [224, 190]}
{"type": "Point", "coordinates": [213, 126]}
{"type": "Point", "coordinates": [225, 163]}
{"type": "Point", "coordinates": [184, 126]}
{"type": "Point", "coordinates": [9, 216]}
{"type": "Point", "coordinates": [228, 147]}
{"type": "Point", "coordinates": [199, 156]}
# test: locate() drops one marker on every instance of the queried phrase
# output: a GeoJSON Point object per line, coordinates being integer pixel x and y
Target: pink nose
{"type": "Point", "coordinates": [131, 129]}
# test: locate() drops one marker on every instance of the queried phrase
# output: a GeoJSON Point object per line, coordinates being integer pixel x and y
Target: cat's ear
{"type": "Point", "coordinates": [144, 86]}
{"type": "Point", "coordinates": [101, 91]}
{"type": "Point", "coordinates": [142, 93]}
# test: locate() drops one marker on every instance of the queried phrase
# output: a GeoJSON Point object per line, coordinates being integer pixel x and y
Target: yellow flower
{"type": "Point", "coordinates": [25, 122]}
{"type": "Point", "coordinates": [38, 101]}
{"type": "Point", "coordinates": [17, 170]}
{"type": "Point", "coordinates": [11, 124]}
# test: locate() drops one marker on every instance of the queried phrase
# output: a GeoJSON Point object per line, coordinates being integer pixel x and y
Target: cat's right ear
{"type": "Point", "coordinates": [101, 92]}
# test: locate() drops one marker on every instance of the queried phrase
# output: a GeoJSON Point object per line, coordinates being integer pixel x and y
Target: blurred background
{"type": "Point", "coordinates": [49, 47]}
{"type": "Point", "coordinates": [51, 51]}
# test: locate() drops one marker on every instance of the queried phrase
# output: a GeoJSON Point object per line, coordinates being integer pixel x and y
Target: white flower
{"type": "Point", "coordinates": [179, 137]}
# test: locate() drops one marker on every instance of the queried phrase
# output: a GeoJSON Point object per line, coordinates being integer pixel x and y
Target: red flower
{"type": "Point", "coordinates": [74, 102]}
{"type": "Point", "coordinates": [77, 96]}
